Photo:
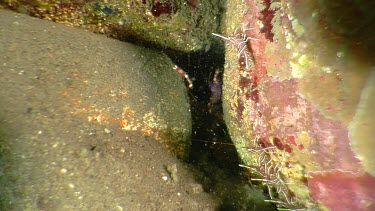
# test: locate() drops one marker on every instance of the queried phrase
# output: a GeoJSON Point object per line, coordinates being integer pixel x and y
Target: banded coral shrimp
{"type": "Point", "coordinates": [241, 41]}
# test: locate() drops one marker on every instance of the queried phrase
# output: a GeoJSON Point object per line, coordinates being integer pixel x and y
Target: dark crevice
{"type": "Point", "coordinates": [210, 138]}
{"type": "Point", "coordinates": [212, 151]}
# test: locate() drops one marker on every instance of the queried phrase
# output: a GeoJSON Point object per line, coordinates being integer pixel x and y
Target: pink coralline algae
{"type": "Point", "coordinates": [343, 191]}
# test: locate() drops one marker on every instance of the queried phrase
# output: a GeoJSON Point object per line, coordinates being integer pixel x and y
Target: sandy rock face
{"type": "Point", "coordinates": [129, 87]}
{"type": "Point", "coordinates": [297, 100]}
{"type": "Point", "coordinates": [83, 121]}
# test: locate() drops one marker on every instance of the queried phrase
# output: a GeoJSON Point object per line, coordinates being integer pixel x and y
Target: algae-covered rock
{"type": "Point", "coordinates": [82, 115]}
{"type": "Point", "coordinates": [293, 95]}
{"type": "Point", "coordinates": [177, 24]}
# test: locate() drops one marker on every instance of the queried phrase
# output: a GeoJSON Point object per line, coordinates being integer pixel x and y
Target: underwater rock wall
{"type": "Point", "coordinates": [297, 100]}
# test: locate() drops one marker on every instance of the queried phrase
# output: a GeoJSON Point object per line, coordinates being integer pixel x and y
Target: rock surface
{"type": "Point", "coordinates": [297, 99]}
{"type": "Point", "coordinates": [82, 118]}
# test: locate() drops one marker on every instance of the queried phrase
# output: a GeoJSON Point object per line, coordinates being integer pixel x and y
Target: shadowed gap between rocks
{"type": "Point", "coordinates": [212, 151]}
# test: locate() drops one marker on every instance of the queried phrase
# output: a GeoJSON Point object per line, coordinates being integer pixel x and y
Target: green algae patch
{"type": "Point", "coordinates": [180, 25]}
